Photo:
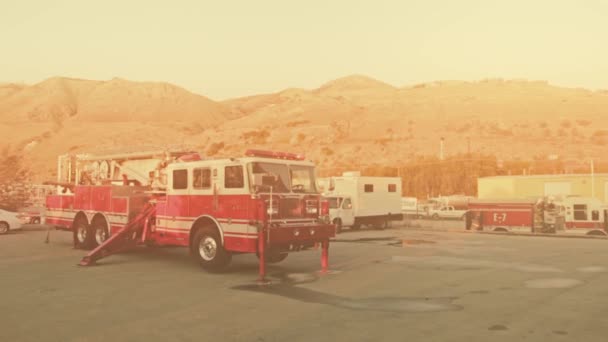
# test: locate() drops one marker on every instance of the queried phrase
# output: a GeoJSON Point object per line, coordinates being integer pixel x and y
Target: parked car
{"type": "Point", "coordinates": [9, 221]}
{"type": "Point", "coordinates": [447, 212]}
{"type": "Point", "coordinates": [32, 215]}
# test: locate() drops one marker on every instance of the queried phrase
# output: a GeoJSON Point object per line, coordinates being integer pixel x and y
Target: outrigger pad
{"type": "Point", "coordinates": [86, 261]}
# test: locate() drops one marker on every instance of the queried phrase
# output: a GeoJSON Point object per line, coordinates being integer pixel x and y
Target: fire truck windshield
{"type": "Point", "coordinates": [282, 178]}
{"type": "Point", "coordinates": [267, 176]}
{"type": "Point", "coordinates": [302, 179]}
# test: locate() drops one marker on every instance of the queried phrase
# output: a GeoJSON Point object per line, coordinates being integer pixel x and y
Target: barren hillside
{"type": "Point", "coordinates": [63, 99]}
{"type": "Point", "coordinates": [349, 122]}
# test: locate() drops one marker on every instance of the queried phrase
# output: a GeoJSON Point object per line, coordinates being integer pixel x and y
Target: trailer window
{"type": "Point", "coordinates": [595, 215]}
{"type": "Point", "coordinates": [369, 187]}
{"type": "Point", "coordinates": [580, 212]}
{"type": "Point", "coordinates": [233, 177]}
{"type": "Point", "coordinates": [392, 188]}
{"type": "Point", "coordinates": [180, 179]}
{"type": "Point", "coordinates": [201, 178]}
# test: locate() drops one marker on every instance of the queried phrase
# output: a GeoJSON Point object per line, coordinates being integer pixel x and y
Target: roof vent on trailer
{"type": "Point", "coordinates": [275, 155]}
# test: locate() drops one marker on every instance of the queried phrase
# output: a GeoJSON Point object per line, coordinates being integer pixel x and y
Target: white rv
{"type": "Point", "coordinates": [355, 200]}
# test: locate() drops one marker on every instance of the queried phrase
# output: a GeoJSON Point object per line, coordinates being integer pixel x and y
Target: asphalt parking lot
{"type": "Point", "coordinates": [391, 285]}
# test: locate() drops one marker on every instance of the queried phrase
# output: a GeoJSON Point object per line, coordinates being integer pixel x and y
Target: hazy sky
{"type": "Point", "coordinates": [225, 48]}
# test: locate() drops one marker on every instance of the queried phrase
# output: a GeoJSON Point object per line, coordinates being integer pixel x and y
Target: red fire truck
{"type": "Point", "coordinates": [264, 203]}
{"type": "Point", "coordinates": [570, 215]}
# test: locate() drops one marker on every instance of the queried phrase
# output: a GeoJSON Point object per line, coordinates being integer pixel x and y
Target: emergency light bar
{"type": "Point", "coordinates": [275, 155]}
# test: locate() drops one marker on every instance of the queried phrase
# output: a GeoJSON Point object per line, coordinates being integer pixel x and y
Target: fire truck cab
{"type": "Point", "coordinates": [264, 203]}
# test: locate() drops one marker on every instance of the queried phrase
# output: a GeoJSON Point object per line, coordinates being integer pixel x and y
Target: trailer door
{"type": "Point", "coordinates": [346, 212]}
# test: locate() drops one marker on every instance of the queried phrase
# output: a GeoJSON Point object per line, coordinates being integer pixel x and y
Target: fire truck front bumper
{"type": "Point", "coordinates": [299, 237]}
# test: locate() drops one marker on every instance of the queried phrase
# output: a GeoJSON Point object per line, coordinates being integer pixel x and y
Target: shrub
{"type": "Point", "coordinates": [256, 137]}
{"type": "Point", "coordinates": [583, 123]}
{"type": "Point", "coordinates": [215, 148]}
{"type": "Point", "coordinates": [327, 151]}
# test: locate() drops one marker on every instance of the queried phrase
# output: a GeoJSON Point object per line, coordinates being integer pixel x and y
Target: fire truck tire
{"type": "Point", "coordinates": [274, 257]}
{"type": "Point", "coordinates": [82, 234]}
{"type": "Point", "coordinates": [99, 229]}
{"type": "Point", "coordinates": [338, 224]}
{"type": "Point", "coordinates": [208, 250]}
{"type": "Point", "coordinates": [4, 228]}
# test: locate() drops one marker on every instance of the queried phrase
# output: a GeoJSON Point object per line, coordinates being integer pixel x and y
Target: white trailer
{"type": "Point", "coordinates": [355, 200]}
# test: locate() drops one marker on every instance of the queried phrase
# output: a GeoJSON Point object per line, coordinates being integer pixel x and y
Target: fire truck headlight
{"type": "Point", "coordinates": [296, 232]}
{"type": "Point", "coordinates": [312, 231]}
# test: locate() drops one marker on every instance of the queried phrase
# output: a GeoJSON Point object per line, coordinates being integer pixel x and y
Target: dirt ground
{"type": "Point", "coordinates": [391, 285]}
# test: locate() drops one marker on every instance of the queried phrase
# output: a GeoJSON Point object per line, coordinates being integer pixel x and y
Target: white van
{"type": "Point", "coordinates": [355, 200]}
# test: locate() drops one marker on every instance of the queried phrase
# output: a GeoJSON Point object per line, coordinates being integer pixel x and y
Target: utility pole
{"type": "Point", "coordinates": [592, 180]}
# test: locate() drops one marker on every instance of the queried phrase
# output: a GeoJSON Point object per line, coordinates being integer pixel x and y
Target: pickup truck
{"type": "Point", "coordinates": [447, 212]}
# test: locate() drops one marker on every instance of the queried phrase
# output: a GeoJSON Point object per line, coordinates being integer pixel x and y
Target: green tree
{"type": "Point", "coordinates": [14, 181]}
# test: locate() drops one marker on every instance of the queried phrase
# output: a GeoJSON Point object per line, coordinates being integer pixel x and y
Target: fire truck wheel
{"type": "Point", "coordinates": [83, 239]}
{"type": "Point", "coordinates": [338, 224]}
{"type": "Point", "coordinates": [207, 248]}
{"type": "Point", "coordinates": [99, 228]}
{"type": "Point", "coordinates": [4, 228]}
{"type": "Point", "coordinates": [274, 257]}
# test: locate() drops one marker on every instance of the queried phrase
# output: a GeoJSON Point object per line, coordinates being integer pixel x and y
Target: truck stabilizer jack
{"type": "Point", "coordinates": [124, 239]}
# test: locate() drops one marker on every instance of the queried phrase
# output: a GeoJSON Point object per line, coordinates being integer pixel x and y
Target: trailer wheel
{"type": "Point", "coordinates": [207, 248]}
{"type": "Point", "coordinates": [4, 228]}
{"type": "Point", "coordinates": [82, 234]}
{"type": "Point", "coordinates": [380, 225]}
{"type": "Point", "coordinates": [435, 217]}
{"type": "Point", "coordinates": [338, 224]}
{"type": "Point", "coordinates": [356, 226]}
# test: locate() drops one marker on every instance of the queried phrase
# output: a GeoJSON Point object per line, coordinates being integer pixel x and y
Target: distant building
{"type": "Point", "coordinates": [542, 185]}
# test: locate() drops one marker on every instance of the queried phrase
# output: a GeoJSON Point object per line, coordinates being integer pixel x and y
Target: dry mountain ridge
{"type": "Point", "coordinates": [349, 122]}
{"type": "Point", "coordinates": [58, 99]}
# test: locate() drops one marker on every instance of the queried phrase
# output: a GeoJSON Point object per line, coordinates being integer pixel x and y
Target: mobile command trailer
{"type": "Point", "coordinates": [355, 201]}
{"type": "Point", "coordinates": [264, 203]}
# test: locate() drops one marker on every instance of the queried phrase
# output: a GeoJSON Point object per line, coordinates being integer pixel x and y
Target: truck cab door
{"type": "Point", "coordinates": [347, 213]}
